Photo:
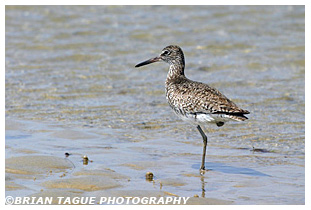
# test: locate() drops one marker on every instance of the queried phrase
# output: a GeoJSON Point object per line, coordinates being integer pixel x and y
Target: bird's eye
{"type": "Point", "coordinates": [165, 52]}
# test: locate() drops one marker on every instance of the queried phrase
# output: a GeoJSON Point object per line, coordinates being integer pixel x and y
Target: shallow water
{"type": "Point", "coordinates": [71, 86]}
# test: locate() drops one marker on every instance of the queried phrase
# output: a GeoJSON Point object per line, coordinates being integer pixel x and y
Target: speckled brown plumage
{"type": "Point", "coordinates": [187, 96]}
{"type": "Point", "coordinates": [193, 101]}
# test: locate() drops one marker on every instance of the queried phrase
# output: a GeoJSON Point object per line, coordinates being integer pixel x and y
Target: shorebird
{"type": "Point", "coordinates": [193, 101]}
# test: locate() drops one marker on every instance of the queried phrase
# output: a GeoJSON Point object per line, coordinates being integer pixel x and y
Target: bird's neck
{"type": "Point", "coordinates": [176, 70]}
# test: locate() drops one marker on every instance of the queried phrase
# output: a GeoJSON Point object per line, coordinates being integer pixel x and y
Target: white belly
{"type": "Point", "coordinates": [202, 118]}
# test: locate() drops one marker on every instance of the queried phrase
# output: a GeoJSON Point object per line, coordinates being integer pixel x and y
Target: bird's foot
{"type": "Point", "coordinates": [203, 170]}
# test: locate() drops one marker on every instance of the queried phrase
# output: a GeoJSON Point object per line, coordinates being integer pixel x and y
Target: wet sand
{"type": "Point", "coordinates": [112, 171]}
{"type": "Point", "coordinates": [60, 176]}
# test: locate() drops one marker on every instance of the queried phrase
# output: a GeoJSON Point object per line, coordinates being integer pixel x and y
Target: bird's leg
{"type": "Point", "coordinates": [202, 169]}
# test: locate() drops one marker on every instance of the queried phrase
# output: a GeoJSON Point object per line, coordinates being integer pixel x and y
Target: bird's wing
{"type": "Point", "coordinates": [199, 97]}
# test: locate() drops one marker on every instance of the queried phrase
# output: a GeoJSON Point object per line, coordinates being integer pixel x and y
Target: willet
{"type": "Point", "coordinates": [192, 101]}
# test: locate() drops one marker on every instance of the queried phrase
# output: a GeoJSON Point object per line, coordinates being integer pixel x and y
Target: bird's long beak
{"type": "Point", "coordinates": [152, 60]}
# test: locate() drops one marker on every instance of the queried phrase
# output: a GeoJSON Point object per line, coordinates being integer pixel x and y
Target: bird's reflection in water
{"type": "Point", "coordinates": [203, 186]}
